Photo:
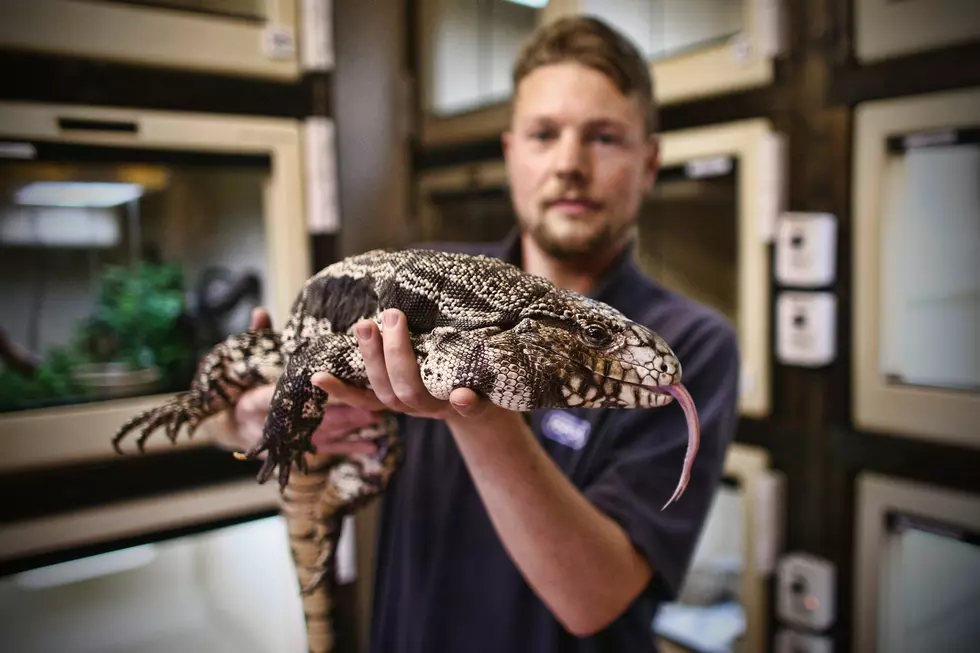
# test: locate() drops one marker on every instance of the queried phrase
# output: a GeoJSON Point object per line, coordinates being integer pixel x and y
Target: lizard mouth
{"type": "Point", "coordinates": [686, 402]}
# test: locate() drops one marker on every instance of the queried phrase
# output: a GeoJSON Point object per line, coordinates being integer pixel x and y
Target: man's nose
{"type": "Point", "coordinates": [571, 158]}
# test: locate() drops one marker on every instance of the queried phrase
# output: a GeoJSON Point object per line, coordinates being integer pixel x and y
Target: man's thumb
{"type": "Point", "coordinates": [466, 402]}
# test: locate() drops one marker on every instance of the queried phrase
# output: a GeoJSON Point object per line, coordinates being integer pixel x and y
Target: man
{"type": "Point", "coordinates": [546, 534]}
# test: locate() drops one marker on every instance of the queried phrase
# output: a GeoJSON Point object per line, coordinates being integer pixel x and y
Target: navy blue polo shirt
{"type": "Point", "coordinates": [444, 582]}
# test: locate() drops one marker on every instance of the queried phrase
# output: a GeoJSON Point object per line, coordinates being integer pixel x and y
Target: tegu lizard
{"type": "Point", "coordinates": [475, 322]}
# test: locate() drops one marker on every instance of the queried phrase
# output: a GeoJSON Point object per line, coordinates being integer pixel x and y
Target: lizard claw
{"type": "Point", "coordinates": [172, 416]}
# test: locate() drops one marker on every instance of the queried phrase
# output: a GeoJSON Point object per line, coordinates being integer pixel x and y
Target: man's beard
{"type": "Point", "coordinates": [570, 250]}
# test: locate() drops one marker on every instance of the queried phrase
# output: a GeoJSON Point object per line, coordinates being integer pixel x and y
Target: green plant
{"type": "Point", "coordinates": [52, 380]}
{"type": "Point", "coordinates": [136, 317]}
{"type": "Point", "coordinates": [136, 320]}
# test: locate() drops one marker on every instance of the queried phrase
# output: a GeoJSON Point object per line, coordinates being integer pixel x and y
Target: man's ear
{"type": "Point", "coordinates": [505, 140]}
{"type": "Point", "coordinates": [652, 163]}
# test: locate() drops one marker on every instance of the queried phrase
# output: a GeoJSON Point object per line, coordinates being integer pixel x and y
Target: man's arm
{"type": "Point", "coordinates": [578, 560]}
{"type": "Point", "coordinates": [581, 562]}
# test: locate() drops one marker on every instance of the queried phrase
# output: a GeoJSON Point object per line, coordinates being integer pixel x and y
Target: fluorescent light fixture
{"type": "Point", "coordinates": [55, 226]}
{"type": "Point", "coordinates": [537, 4]}
{"type": "Point", "coordinates": [77, 194]}
{"type": "Point", "coordinates": [97, 566]}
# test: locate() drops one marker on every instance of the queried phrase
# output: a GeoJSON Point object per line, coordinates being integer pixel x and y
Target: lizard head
{"type": "Point", "coordinates": [587, 354]}
{"type": "Point", "coordinates": [593, 356]}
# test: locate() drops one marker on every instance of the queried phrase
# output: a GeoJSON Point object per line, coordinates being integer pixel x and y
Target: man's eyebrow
{"type": "Point", "coordinates": [591, 123]}
{"type": "Point", "coordinates": [607, 122]}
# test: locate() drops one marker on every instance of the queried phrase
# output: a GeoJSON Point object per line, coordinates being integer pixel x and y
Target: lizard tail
{"type": "Point", "coordinates": [314, 530]}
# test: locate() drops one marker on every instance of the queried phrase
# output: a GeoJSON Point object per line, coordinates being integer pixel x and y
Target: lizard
{"type": "Point", "coordinates": [475, 321]}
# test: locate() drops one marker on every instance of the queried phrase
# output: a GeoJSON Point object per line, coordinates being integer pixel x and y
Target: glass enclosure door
{"type": "Point", "coordinates": [931, 263]}
{"type": "Point", "coordinates": [484, 216]}
{"type": "Point", "coordinates": [120, 267]}
{"type": "Point", "coordinates": [930, 586]}
{"type": "Point", "coordinates": [688, 235]}
{"type": "Point", "coordinates": [665, 28]}
{"type": "Point", "coordinates": [471, 47]}
{"type": "Point", "coordinates": [242, 9]}
{"type": "Point", "coordinates": [709, 614]}
{"type": "Point", "coordinates": [916, 266]}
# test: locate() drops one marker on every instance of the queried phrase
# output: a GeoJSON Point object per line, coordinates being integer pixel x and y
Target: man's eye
{"type": "Point", "coordinates": [607, 139]}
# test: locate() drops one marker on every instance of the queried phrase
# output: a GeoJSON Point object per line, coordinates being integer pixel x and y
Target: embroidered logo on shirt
{"type": "Point", "coordinates": [566, 429]}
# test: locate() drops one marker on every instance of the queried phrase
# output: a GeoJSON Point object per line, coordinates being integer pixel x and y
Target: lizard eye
{"type": "Point", "coordinates": [596, 335]}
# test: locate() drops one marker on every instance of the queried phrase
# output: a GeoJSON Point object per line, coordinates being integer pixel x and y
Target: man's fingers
{"type": "Point", "coordinates": [403, 368]}
{"type": "Point", "coordinates": [467, 403]}
{"type": "Point", "coordinates": [345, 448]}
{"type": "Point", "coordinates": [373, 352]}
{"type": "Point", "coordinates": [339, 421]}
{"type": "Point", "coordinates": [260, 319]}
{"type": "Point", "coordinates": [341, 393]}
{"type": "Point", "coordinates": [256, 400]}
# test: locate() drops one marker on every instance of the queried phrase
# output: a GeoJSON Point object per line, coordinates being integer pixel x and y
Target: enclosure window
{"type": "Point", "coordinates": [473, 48]}
{"type": "Point", "coordinates": [121, 267]}
{"type": "Point", "coordinates": [930, 272]}
{"type": "Point", "coordinates": [663, 28]}
{"type": "Point", "coordinates": [688, 234]}
{"type": "Point", "coordinates": [929, 587]}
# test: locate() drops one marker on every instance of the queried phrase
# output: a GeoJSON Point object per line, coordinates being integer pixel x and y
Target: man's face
{"type": "Point", "coordinates": [578, 160]}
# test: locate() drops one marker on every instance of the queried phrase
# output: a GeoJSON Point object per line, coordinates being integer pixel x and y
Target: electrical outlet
{"type": "Point", "coordinates": [806, 328]}
{"type": "Point", "coordinates": [806, 249]}
{"type": "Point", "coordinates": [790, 641]}
{"type": "Point", "coordinates": [805, 591]}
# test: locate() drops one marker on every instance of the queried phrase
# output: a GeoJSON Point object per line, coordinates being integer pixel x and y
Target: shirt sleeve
{"type": "Point", "coordinates": [645, 455]}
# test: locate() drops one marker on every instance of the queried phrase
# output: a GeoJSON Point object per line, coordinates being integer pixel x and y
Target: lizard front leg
{"type": "Point", "coordinates": [241, 362]}
{"type": "Point", "coordinates": [297, 406]}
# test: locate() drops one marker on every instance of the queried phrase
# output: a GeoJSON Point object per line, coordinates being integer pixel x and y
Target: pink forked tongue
{"type": "Point", "coordinates": [683, 397]}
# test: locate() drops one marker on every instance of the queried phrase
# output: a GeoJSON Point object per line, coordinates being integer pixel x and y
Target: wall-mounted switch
{"type": "Point", "coordinates": [806, 249]}
{"type": "Point", "coordinates": [805, 591]}
{"type": "Point", "coordinates": [790, 641]}
{"type": "Point", "coordinates": [806, 328]}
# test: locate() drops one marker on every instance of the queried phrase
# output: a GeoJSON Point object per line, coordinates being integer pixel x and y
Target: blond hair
{"type": "Point", "coordinates": [591, 42]}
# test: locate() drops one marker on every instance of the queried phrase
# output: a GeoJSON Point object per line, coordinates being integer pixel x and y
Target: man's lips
{"type": "Point", "coordinates": [574, 204]}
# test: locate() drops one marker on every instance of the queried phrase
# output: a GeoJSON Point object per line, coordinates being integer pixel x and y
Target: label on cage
{"type": "Point", "coordinates": [279, 42]}
{"type": "Point", "coordinates": [711, 167]}
{"type": "Point", "coordinates": [741, 47]}
{"type": "Point", "coordinates": [927, 139]}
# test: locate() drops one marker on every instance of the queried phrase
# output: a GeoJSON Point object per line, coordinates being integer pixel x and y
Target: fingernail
{"type": "Point", "coordinates": [391, 318]}
{"type": "Point", "coordinates": [363, 331]}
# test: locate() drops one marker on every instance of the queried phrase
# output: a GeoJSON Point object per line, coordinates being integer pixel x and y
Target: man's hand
{"type": "Point", "coordinates": [396, 383]}
{"type": "Point", "coordinates": [252, 408]}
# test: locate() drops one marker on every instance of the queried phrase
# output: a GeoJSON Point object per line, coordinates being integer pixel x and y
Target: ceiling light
{"type": "Point", "coordinates": [537, 4]}
{"type": "Point", "coordinates": [77, 194]}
